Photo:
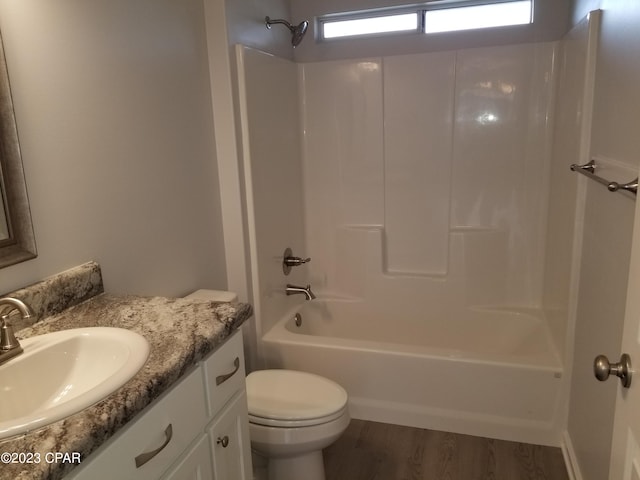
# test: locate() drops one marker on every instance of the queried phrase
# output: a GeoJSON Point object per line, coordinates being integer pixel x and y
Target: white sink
{"type": "Point", "coordinates": [63, 372]}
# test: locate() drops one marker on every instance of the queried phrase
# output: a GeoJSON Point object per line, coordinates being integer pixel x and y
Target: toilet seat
{"type": "Point", "coordinates": [289, 398]}
{"type": "Point", "coordinates": [309, 422]}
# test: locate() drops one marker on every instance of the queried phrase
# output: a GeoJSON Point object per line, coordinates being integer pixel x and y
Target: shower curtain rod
{"type": "Point", "coordinates": [588, 169]}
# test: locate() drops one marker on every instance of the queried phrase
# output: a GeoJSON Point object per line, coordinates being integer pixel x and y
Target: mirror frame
{"type": "Point", "coordinates": [21, 244]}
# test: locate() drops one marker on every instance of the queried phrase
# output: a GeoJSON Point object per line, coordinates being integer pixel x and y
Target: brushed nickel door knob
{"type": "Point", "coordinates": [602, 368]}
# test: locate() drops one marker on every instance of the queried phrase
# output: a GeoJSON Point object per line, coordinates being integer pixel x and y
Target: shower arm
{"type": "Point", "coordinates": [268, 22]}
{"type": "Point", "coordinates": [297, 32]}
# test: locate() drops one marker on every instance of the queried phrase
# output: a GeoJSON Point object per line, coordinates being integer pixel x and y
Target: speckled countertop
{"type": "Point", "coordinates": [180, 331]}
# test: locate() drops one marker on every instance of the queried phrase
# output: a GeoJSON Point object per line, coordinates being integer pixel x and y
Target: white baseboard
{"type": "Point", "coordinates": [570, 459]}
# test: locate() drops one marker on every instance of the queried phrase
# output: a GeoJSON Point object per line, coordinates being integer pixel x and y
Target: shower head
{"type": "Point", "coordinates": [297, 32]}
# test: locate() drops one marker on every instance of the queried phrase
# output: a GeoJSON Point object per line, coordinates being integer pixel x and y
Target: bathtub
{"type": "Point", "coordinates": [492, 373]}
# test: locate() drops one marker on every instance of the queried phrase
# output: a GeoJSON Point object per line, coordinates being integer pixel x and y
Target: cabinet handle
{"type": "Point", "coordinates": [224, 441]}
{"type": "Point", "coordinates": [223, 378]}
{"type": "Point", "coordinates": [145, 457]}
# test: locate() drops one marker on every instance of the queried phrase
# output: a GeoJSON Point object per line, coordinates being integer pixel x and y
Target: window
{"type": "Point", "coordinates": [477, 16]}
{"type": "Point", "coordinates": [431, 18]}
{"type": "Point", "coordinates": [368, 25]}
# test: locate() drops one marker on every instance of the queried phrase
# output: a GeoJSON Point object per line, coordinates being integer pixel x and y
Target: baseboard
{"type": "Point", "coordinates": [570, 459]}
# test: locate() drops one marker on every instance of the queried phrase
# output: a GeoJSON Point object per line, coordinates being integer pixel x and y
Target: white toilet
{"type": "Point", "coordinates": [292, 417]}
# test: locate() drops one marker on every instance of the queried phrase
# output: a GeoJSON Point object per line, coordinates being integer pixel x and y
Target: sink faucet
{"type": "Point", "coordinates": [9, 345]}
{"type": "Point", "coordinates": [293, 290]}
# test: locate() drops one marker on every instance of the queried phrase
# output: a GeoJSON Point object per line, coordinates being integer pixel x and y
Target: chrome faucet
{"type": "Point", "coordinates": [9, 345]}
{"type": "Point", "coordinates": [294, 289]}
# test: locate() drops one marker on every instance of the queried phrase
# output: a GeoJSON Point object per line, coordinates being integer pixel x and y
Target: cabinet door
{"type": "Point", "coordinates": [229, 434]}
{"type": "Point", "coordinates": [195, 465]}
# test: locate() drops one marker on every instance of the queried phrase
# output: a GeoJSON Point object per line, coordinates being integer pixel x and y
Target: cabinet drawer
{"type": "Point", "coordinates": [224, 373]}
{"type": "Point", "coordinates": [173, 421]}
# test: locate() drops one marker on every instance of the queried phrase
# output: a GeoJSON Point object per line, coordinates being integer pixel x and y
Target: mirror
{"type": "Point", "coordinates": [17, 242]}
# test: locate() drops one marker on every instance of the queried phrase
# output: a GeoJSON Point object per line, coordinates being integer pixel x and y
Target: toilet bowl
{"type": "Point", "coordinates": [292, 417]}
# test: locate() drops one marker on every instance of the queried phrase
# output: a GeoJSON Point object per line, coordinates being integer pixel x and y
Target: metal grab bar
{"type": "Point", "coordinates": [588, 170]}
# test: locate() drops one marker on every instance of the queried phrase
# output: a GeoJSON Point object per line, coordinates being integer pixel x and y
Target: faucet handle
{"type": "Point", "coordinates": [295, 261]}
{"type": "Point", "coordinates": [8, 340]}
{"type": "Point", "coordinates": [289, 261]}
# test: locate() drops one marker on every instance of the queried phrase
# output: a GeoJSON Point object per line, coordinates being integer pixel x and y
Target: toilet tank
{"type": "Point", "coordinates": [248, 327]}
{"type": "Point", "coordinates": [214, 296]}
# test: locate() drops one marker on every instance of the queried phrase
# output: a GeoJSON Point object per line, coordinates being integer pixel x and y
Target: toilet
{"type": "Point", "coordinates": [292, 416]}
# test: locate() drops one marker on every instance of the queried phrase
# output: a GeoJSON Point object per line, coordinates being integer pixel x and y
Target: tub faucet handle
{"type": "Point", "coordinates": [295, 261]}
{"type": "Point", "coordinates": [289, 261]}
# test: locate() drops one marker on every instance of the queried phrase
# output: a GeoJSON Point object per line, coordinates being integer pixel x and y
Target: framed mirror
{"type": "Point", "coordinates": [17, 242]}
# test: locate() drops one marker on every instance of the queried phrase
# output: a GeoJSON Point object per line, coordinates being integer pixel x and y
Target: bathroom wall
{"type": "Point", "coordinates": [426, 177]}
{"type": "Point", "coordinates": [572, 130]}
{"type": "Point", "coordinates": [245, 20]}
{"type": "Point", "coordinates": [227, 24]}
{"type": "Point", "coordinates": [608, 227]}
{"type": "Point", "coordinates": [113, 108]}
{"type": "Point", "coordinates": [270, 117]}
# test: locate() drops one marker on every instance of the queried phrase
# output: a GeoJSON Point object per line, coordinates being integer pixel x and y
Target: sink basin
{"type": "Point", "coordinates": [63, 372]}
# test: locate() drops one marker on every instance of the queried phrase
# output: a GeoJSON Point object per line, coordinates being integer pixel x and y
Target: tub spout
{"type": "Point", "coordinates": [306, 291]}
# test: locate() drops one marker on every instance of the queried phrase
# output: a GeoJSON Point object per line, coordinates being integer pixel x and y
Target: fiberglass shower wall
{"type": "Point", "coordinates": [269, 113]}
{"type": "Point", "coordinates": [426, 177]}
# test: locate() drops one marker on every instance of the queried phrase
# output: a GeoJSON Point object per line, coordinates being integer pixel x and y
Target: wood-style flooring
{"type": "Point", "coordinates": [379, 451]}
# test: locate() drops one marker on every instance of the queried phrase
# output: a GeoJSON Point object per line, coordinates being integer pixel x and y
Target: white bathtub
{"type": "Point", "coordinates": [493, 373]}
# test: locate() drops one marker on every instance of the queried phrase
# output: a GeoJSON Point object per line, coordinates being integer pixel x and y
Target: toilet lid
{"type": "Point", "coordinates": [293, 396]}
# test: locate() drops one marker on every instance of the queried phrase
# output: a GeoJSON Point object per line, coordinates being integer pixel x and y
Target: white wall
{"type": "Point", "coordinates": [572, 130]}
{"type": "Point", "coordinates": [114, 116]}
{"type": "Point", "coordinates": [601, 304]}
{"type": "Point", "coordinates": [426, 176]}
{"type": "Point", "coordinates": [230, 23]}
{"type": "Point", "coordinates": [245, 19]}
{"type": "Point", "coordinates": [607, 236]}
{"type": "Point", "coordinates": [268, 88]}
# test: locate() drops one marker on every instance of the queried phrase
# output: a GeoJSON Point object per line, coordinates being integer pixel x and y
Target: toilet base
{"type": "Point", "coordinates": [309, 466]}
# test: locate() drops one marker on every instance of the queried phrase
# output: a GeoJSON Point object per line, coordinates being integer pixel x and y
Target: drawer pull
{"type": "Point", "coordinates": [223, 378]}
{"type": "Point", "coordinates": [145, 457]}
{"type": "Point", "coordinates": [224, 441]}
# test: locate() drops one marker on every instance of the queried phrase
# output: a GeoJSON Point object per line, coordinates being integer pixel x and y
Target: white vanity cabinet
{"type": "Point", "coordinates": [197, 430]}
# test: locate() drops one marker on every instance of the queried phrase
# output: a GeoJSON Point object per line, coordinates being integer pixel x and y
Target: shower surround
{"type": "Point", "coordinates": [426, 176]}
{"type": "Point", "coordinates": [418, 185]}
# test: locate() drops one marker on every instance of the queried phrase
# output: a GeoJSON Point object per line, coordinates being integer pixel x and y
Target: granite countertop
{"type": "Point", "coordinates": [180, 331]}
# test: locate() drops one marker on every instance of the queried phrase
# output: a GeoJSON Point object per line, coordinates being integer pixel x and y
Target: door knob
{"type": "Point", "coordinates": [602, 369]}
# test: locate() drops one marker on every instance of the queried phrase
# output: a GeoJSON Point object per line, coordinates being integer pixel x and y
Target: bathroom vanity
{"type": "Point", "coordinates": [183, 413]}
{"type": "Point", "coordinates": [200, 424]}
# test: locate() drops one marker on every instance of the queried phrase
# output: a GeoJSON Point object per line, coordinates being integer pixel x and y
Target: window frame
{"type": "Point", "coordinates": [419, 9]}
{"type": "Point", "coordinates": [365, 14]}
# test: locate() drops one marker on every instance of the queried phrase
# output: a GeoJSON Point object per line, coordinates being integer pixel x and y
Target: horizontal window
{"type": "Point", "coordinates": [477, 16]}
{"type": "Point", "coordinates": [429, 18]}
{"type": "Point", "coordinates": [366, 26]}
